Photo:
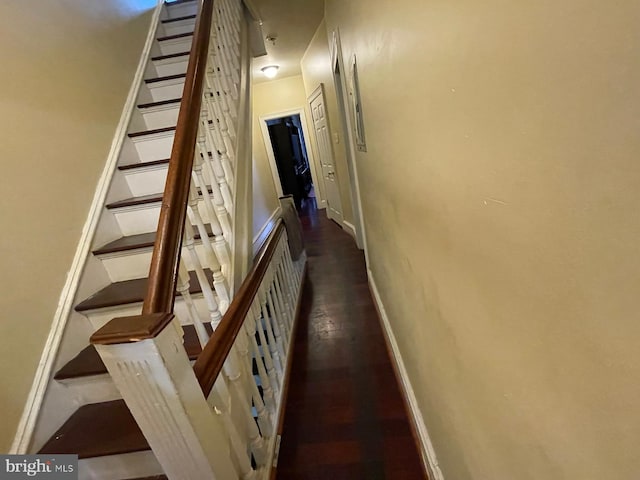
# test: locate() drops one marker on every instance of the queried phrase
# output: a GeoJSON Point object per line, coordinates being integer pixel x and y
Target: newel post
{"type": "Point", "coordinates": [147, 361]}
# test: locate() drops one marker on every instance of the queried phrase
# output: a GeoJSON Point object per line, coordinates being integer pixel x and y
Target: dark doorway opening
{"type": "Point", "coordinates": [290, 153]}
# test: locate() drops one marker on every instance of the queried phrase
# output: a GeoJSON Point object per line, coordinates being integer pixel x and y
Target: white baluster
{"type": "Point", "coordinates": [220, 398]}
{"type": "Point", "coordinates": [224, 256]}
{"type": "Point", "coordinates": [276, 324]}
{"type": "Point", "coordinates": [285, 282]}
{"type": "Point", "coordinates": [183, 289]}
{"type": "Point", "coordinates": [266, 353]}
{"type": "Point", "coordinates": [195, 218]}
{"type": "Point", "coordinates": [212, 166]}
{"type": "Point", "coordinates": [212, 305]}
{"type": "Point", "coordinates": [267, 391]}
{"type": "Point", "coordinates": [275, 346]}
{"type": "Point", "coordinates": [282, 299]}
{"type": "Point", "coordinates": [216, 215]}
{"type": "Point", "coordinates": [280, 315]}
{"type": "Point", "coordinates": [243, 409]}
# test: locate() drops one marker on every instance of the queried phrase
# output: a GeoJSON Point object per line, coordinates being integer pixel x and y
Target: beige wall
{"type": "Point", "coordinates": [316, 69]}
{"type": "Point", "coordinates": [67, 67]}
{"type": "Point", "coordinates": [501, 196]}
{"type": "Point", "coordinates": [269, 97]}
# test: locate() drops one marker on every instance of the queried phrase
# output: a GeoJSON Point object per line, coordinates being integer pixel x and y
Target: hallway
{"type": "Point", "coordinates": [345, 417]}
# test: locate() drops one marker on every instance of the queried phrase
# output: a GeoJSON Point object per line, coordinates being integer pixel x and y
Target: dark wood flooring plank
{"type": "Point", "coordinates": [345, 416]}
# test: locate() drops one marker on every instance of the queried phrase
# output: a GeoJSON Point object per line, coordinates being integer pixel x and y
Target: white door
{"type": "Point", "coordinates": [323, 139]}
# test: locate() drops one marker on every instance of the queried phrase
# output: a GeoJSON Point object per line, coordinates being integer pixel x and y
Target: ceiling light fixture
{"type": "Point", "coordinates": [270, 71]}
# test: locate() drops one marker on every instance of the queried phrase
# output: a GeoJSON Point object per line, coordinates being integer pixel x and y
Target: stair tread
{"type": "Point", "coordinates": [88, 361]}
{"type": "Point", "coordinates": [177, 2]}
{"type": "Point", "coordinates": [179, 19]}
{"type": "Point", "coordinates": [160, 103]}
{"type": "Point", "coordinates": [96, 430]}
{"type": "Point", "coordinates": [171, 55]}
{"type": "Point", "coordinates": [164, 78]}
{"type": "Point", "coordinates": [134, 166]}
{"type": "Point", "coordinates": [142, 240]}
{"type": "Point", "coordinates": [175, 36]}
{"type": "Point", "coordinates": [142, 200]}
{"type": "Point", "coordinates": [129, 291]}
{"type": "Point", "coordinates": [152, 131]}
{"type": "Point", "coordinates": [155, 477]}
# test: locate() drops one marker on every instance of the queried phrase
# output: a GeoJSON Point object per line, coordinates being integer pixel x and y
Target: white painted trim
{"type": "Point", "coordinates": [428, 453]}
{"type": "Point", "coordinates": [356, 197]}
{"type": "Point", "coordinates": [322, 203]}
{"type": "Point", "coordinates": [266, 229]}
{"type": "Point", "coordinates": [350, 228]}
{"type": "Point", "coordinates": [26, 427]}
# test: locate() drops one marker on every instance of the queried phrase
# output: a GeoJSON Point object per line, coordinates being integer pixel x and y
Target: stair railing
{"type": "Point", "coordinates": [202, 425]}
{"type": "Point", "coordinates": [220, 418]}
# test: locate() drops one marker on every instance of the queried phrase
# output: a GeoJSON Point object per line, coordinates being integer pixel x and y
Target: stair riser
{"type": "Point", "coordinates": [154, 147]}
{"type": "Point", "coordinates": [171, 66]}
{"type": "Point", "coordinates": [100, 317]}
{"type": "Point", "coordinates": [160, 117]}
{"type": "Point", "coordinates": [136, 264]}
{"type": "Point", "coordinates": [181, 10]}
{"type": "Point", "coordinates": [176, 45]}
{"type": "Point", "coordinates": [93, 389]}
{"type": "Point", "coordinates": [175, 28]}
{"type": "Point", "coordinates": [144, 218]}
{"type": "Point", "coordinates": [129, 465]}
{"type": "Point", "coordinates": [161, 91]}
{"type": "Point", "coordinates": [145, 182]}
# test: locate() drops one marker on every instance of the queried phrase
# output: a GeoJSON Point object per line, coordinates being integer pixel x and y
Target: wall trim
{"type": "Point", "coordinates": [31, 411]}
{"type": "Point", "coordinates": [427, 452]}
{"type": "Point", "coordinates": [266, 229]}
{"type": "Point", "coordinates": [350, 228]}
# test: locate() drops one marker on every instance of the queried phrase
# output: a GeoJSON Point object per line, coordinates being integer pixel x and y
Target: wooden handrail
{"type": "Point", "coordinates": [166, 251]}
{"type": "Point", "coordinates": [210, 361]}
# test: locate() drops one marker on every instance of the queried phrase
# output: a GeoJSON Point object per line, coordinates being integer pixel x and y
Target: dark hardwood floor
{"type": "Point", "coordinates": [345, 417]}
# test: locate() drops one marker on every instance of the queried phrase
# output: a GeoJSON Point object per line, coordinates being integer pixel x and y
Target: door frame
{"type": "Point", "coordinates": [317, 185]}
{"type": "Point", "coordinates": [340, 84]}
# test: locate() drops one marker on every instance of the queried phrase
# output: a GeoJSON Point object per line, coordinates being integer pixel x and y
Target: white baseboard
{"type": "Point", "coordinates": [350, 229]}
{"type": "Point", "coordinates": [34, 401]}
{"type": "Point", "coordinates": [264, 232]}
{"type": "Point", "coordinates": [427, 451]}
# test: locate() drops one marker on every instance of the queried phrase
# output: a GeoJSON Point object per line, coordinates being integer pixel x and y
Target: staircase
{"type": "Point", "coordinates": [84, 411]}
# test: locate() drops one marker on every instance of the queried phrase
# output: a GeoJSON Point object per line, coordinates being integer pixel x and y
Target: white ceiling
{"type": "Point", "coordinates": [293, 22]}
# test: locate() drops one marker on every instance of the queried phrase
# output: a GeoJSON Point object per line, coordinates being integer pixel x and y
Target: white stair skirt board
{"type": "Point", "coordinates": [175, 45]}
{"type": "Point", "coordinates": [181, 10]}
{"type": "Point", "coordinates": [175, 28]}
{"type": "Point", "coordinates": [161, 116]}
{"type": "Point", "coordinates": [132, 264]}
{"type": "Point", "coordinates": [144, 218]}
{"type": "Point", "coordinates": [155, 146]}
{"type": "Point", "coordinates": [146, 180]}
{"type": "Point", "coordinates": [171, 66]}
{"type": "Point", "coordinates": [34, 401]}
{"type": "Point", "coordinates": [128, 465]}
{"type": "Point", "coordinates": [427, 451]}
{"type": "Point", "coordinates": [99, 317]}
